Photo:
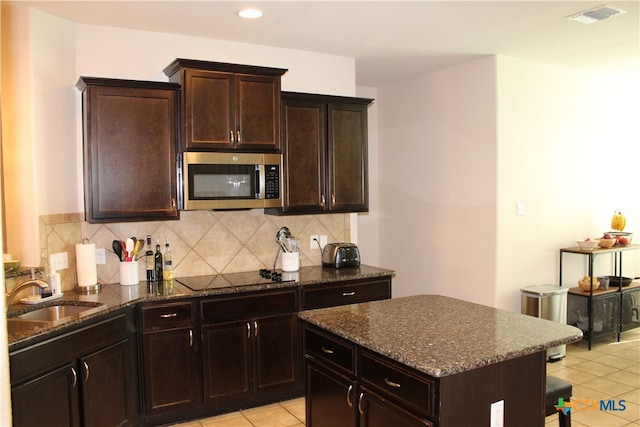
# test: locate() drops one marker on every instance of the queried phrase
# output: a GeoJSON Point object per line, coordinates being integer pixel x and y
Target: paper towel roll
{"type": "Point", "coordinates": [86, 264]}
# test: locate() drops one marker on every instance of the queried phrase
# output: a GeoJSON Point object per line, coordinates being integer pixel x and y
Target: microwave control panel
{"type": "Point", "coordinates": [271, 181]}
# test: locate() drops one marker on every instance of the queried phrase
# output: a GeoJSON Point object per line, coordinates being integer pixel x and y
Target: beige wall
{"type": "Point", "coordinates": [462, 145]}
{"type": "Point", "coordinates": [438, 182]}
{"type": "Point", "coordinates": [568, 148]}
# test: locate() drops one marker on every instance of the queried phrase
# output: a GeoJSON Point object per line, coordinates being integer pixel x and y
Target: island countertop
{"type": "Point", "coordinates": [439, 335]}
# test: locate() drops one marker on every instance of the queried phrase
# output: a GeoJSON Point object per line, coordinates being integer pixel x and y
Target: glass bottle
{"type": "Point", "coordinates": [157, 257]}
{"type": "Point", "coordinates": [149, 258]}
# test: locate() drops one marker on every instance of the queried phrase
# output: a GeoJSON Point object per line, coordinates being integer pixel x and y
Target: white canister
{"type": "Point", "coordinates": [129, 273]}
{"type": "Point", "coordinates": [290, 261]}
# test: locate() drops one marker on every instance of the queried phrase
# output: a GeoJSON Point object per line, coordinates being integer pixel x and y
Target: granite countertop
{"type": "Point", "coordinates": [438, 335]}
{"type": "Point", "coordinates": [113, 297]}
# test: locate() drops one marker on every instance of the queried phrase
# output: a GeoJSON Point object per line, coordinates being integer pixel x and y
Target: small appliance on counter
{"type": "Point", "coordinates": [340, 255]}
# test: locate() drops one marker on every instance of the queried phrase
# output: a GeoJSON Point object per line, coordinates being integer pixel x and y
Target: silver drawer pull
{"type": "Point", "coordinates": [391, 383]}
{"type": "Point", "coordinates": [166, 316]}
{"type": "Point", "coordinates": [74, 376]}
{"type": "Point", "coordinates": [326, 350]}
{"type": "Point", "coordinates": [349, 402]}
{"type": "Point", "coordinates": [348, 294]}
{"type": "Point", "coordinates": [360, 409]}
{"type": "Point", "coordinates": [86, 370]}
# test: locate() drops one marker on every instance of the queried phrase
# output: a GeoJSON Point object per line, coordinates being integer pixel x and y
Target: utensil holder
{"type": "Point", "coordinates": [129, 273]}
{"type": "Point", "coordinates": [290, 261]}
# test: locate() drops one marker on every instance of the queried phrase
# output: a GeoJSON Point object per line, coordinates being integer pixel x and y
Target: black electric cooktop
{"type": "Point", "coordinates": [201, 283]}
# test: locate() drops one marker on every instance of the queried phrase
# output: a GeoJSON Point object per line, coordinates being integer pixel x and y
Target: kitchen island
{"type": "Point", "coordinates": [427, 360]}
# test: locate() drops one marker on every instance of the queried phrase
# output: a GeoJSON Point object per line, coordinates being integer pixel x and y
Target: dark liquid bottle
{"type": "Point", "coordinates": [158, 263]}
{"type": "Point", "coordinates": [149, 259]}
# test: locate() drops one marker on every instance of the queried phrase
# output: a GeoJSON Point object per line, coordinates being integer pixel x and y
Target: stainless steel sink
{"type": "Point", "coordinates": [55, 313]}
{"type": "Point", "coordinates": [52, 315]}
{"type": "Point", "coordinates": [15, 325]}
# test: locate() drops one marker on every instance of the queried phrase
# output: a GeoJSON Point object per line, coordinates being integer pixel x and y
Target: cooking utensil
{"type": "Point", "coordinates": [129, 247]}
{"type": "Point", "coordinates": [117, 249]}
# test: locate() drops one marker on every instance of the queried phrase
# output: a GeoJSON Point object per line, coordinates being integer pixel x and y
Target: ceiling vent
{"type": "Point", "coordinates": [597, 14]}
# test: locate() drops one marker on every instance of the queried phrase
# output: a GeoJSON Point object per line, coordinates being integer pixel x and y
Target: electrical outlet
{"type": "Point", "coordinates": [521, 208]}
{"type": "Point", "coordinates": [59, 261]}
{"type": "Point", "coordinates": [313, 242]}
{"type": "Point", "coordinates": [101, 256]}
{"type": "Point", "coordinates": [323, 240]}
{"type": "Point", "coordinates": [497, 414]}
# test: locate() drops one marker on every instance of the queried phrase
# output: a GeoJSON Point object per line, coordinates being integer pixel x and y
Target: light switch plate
{"type": "Point", "coordinates": [59, 261]}
{"type": "Point", "coordinates": [497, 414]}
{"type": "Point", "coordinates": [101, 256]}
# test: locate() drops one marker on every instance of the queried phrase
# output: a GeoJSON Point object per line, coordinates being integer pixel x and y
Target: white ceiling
{"type": "Point", "coordinates": [390, 40]}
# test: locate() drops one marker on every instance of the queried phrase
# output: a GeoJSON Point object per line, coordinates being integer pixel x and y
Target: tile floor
{"type": "Point", "coordinates": [611, 370]}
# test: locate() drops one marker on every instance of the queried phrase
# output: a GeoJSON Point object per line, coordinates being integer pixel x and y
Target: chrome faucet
{"type": "Point", "coordinates": [29, 283]}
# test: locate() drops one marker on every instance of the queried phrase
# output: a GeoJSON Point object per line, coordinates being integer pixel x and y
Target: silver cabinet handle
{"type": "Point", "coordinates": [322, 199]}
{"type": "Point", "coordinates": [190, 337]}
{"type": "Point", "coordinates": [391, 383]}
{"type": "Point", "coordinates": [166, 316]}
{"type": "Point", "coordinates": [326, 350]}
{"type": "Point", "coordinates": [86, 371]}
{"type": "Point", "coordinates": [348, 294]}
{"type": "Point", "coordinates": [333, 199]}
{"type": "Point", "coordinates": [360, 404]}
{"type": "Point", "coordinates": [349, 402]}
{"type": "Point", "coordinates": [74, 375]}
{"type": "Point", "coordinates": [238, 140]}
{"type": "Point", "coordinates": [248, 330]}
{"type": "Point", "coordinates": [231, 137]}
{"type": "Point", "coordinates": [255, 328]}
{"type": "Point", "coordinates": [173, 202]}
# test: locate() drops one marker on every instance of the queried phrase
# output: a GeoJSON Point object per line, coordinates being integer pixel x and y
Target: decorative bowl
{"type": "Point", "coordinates": [11, 265]}
{"type": "Point", "coordinates": [585, 284]}
{"type": "Point", "coordinates": [618, 234]}
{"type": "Point", "coordinates": [587, 244]}
{"type": "Point", "coordinates": [606, 243]}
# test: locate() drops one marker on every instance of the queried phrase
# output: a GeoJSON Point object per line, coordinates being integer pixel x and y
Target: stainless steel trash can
{"type": "Point", "coordinates": [547, 302]}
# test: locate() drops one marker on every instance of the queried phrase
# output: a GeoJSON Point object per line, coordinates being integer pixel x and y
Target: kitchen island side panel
{"type": "Point", "coordinates": [519, 383]}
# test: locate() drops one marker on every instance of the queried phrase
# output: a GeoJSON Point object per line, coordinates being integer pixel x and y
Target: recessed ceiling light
{"type": "Point", "coordinates": [250, 13]}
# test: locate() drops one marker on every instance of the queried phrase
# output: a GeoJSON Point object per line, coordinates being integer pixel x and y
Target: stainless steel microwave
{"type": "Point", "coordinates": [229, 181]}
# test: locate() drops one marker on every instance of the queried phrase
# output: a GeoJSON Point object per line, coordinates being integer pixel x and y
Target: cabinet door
{"type": "Point", "coordinates": [171, 370]}
{"type": "Point", "coordinates": [106, 378]}
{"type": "Point", "coordinates": [226, 355]}
{"type": "Point", "coordinates": [257, 112]}
{"type": "Point", "coordinates": [49, 400]}
{"type": "Point", "coordinates": [277, 352]}
{"type": "Point", "coordinates": [348, 186]}
{"type": "Point", "coordinates": [330, 398]}
{"type": "Point", "coordinates": [209, 119]}
{"type": "Point", "coordinates": [130, 153]}
{"type": "Point", "coordinates": [376, 411]}
{"type": "Point", "coordinates": [304, 151]}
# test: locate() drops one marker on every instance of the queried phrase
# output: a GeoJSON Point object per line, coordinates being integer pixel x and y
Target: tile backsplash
{"type": "Point", "coordinates": [202, 242]}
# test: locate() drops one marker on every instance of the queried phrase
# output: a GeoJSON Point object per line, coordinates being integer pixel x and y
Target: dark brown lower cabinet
{"type": "Point", "coordinates": [376, 411]}
{"type": "Point", "coordinates": [250, 360]}
{"type": "Point", "coordinates": [68, 380]}
{"type": "Point", "coordinates": [171, 371]}
{"type": "Point", "coordinates": [250, 357]}
{"type": "Point", "coordinates": [334, 400]}
{"type": "Point", "coordinates": [49, 399]}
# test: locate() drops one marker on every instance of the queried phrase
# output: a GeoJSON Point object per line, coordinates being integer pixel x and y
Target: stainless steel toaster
{"type": "Point", "coordinates": [340, 255]}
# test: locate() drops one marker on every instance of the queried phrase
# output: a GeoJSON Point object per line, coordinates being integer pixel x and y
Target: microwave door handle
{"type": "Point", "coordinates": [259, 181]}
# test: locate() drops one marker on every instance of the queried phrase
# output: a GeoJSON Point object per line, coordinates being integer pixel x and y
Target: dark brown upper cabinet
{"type": "Point", "coordinates": [324, 143]}
{"type": "Point", "coordinates": [228, 106]}
{"type": "Point", "coordinates": [130, 136]}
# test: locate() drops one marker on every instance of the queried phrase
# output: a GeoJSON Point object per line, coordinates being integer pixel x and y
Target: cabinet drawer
{"type": "Point", "coordinates": [329, 349]}
{"type": "Point", "coordinates": [346, 293]}
{"type": "Point", "coordinates": [396, 383]}
{"type": "Point", "coordinates": [167, 316]}
{"type": "Point", "coordinates": [250, 305]}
